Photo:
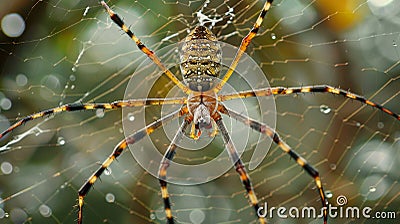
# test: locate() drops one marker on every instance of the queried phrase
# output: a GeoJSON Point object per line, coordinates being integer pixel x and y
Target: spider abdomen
{"type": "Point", "coordinates": [200, 59]}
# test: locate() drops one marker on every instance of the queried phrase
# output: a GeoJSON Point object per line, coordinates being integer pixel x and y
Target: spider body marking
{"type": "Point", "coordinates": [200, 59]}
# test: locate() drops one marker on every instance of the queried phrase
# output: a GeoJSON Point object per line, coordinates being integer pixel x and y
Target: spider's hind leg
{"type": "Point", "coordinates": [240, 169]}
{"type": "Point", "coordinates": [122, 146]}
{"type": "Point", "coordinates": [164, 164]}
{"type": "Point", "coordinates": [265, 129]}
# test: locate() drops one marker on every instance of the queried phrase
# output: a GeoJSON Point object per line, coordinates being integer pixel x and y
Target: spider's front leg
{"type": "Point", "coordinates": [265, 129]}
{"type": "Point", "coordinates": [117, 20]}
{"type": "Point", "coordinates": [84, 190]}
{"type": "Point", "coordinates": [240, 169]}
{"type": "Point", "coordinates": [244, 44]}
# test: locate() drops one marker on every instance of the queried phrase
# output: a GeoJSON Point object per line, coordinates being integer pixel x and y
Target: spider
{"type": "Point", "coordinates": [202, 108]}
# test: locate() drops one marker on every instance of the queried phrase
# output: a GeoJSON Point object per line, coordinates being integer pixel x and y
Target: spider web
{"type": "Point", "coordinates": [70, 51]}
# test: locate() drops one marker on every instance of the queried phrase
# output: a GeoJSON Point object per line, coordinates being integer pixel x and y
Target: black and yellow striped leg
{"type": "Point", "coordinates": [244, 44]}
{"type": "Point", "coordinates": [306, 89]}
{"type": "Point", "coordinates": [265, 129]}
{"type": "Point", "coordinates": [94, 106]}
{"type": "Point", "coordinates": [240, 169]}
{"type": "Point", "coordinates": [164, 164]}
{"type": "Point", "coordinates": [83, 191]}
{"type": "Point", "coordinates": [117, 20]}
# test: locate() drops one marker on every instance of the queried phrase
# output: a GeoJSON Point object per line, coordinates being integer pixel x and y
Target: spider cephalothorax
{"type": "Point", "coordinates": [200, 59]}
{"type": "Point", "coordinates": [202, 106]}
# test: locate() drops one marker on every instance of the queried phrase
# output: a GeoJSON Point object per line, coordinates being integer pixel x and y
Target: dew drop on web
{"type": "Point", "coordinates": [324, 109]}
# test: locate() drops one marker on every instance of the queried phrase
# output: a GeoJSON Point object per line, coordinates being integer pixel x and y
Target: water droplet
{"type": "Point", "coordinates": [100, 113]}
{"type": "Point", "coordinates": [328, 194]}
{"type": "Point", "coordinates": [21, 80]}
{"type": "Point", "coordinates": [18, 215]}
{"type": "Point", "coordinates": [72, 86]}
{"type": "Point", "coordinates": [51, 81]}
{"type": "Point", "coordinates": [86, 11]}
{"type": "Point", "coordinates": [152, 216]}
{"type": "Point", "coordinates": [13, 25]}
{"type": "Point", "coordinates": [6, 168]}
{"type": "Point", "coordinates": [372, 189]}
{"type": "Point", "coordinates": [332, 166]}
{"type": "Point", "coordinates": [72, 78]}
{"type": "Point", "coordinates": [380, 125]}
{"type": "Point", "coordinates": [2, 212]}
{"type": "Point", "coordinates": [110, 198]}
{"type": "Point", "coordinates": [394, 44]}
{"type": "Point", "coordinates": [5, 104]}
{"type": "Point", "coordinates": [64, 185]}
{"type": "Point", "coordinates": [324, 109]}
{"type": "Point", "coordinates": [73, 69]}
{"type": "Point", "coordinates": [45, 210]}
{"type": "Point", "coordinates": [107, 171]}
{"type": "Point", "coordinates": [131, 117]}
{"type": "Point", "coordinates": [358, 124]}
{"type": "Point", "coordinates": [197, 216]}
{"type": "Point", "coordinates": [60, 141]}
{"type": "Point", "coordinates": [273, 36]}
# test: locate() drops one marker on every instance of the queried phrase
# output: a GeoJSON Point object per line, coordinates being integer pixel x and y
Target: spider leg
{"type": "Point", "coordinates": [265, 129]}
{"type": "Point", "coordinates": [240, 169]}
{"type": "Point", "coordinates": [244, 44]}
{"type": "Point", "coordinates": [306, 89]}
{"type": "Point", "coordinates": [162, 171]}
{"type": "Point", "coordinates": [135, 137]}
{"type": "Point", "coordinates": [144, 49]}
{"type": "Point", "coordinates": [94, 106]}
